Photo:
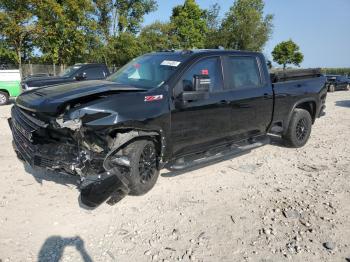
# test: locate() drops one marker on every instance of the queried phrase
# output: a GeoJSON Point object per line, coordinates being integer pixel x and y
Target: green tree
{"type": "Point", "coordinates": [16, 25]}
{"type": "Point", "coordinates": [213, 21]}
{"type": "Point", "coordinates": [7, 54]}
{"type": "Point", "coordinates": [158, 36]}
{"type": "Point", "coordinates": [119, 16]}
{"type": "Point", "coordinates": [66, 29]}
{"type": "Point", "coordinates": [118, 20]}
{"type": "Point", "coordinates": [123, 48]}
{"type": "Point", "coordinates": [287, 52]}
{"type": "Point", "coordinates": [212, 17]}
{"type": "Point", "coordinates": [245, 27]}
{"type": "Point", "coordinates": [189, 24]}
{"type": "Point", "coordinates": [336, 71]}
{"type": "Point", "coordinates": [104, 16]}
{"type": "Point", "coordinates": [128, 14]}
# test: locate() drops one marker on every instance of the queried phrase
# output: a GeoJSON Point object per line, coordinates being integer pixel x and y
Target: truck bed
{"type": "Point", "coordinates": [295, 74]}
{"type": "Point", "coordinates": [296, 87]}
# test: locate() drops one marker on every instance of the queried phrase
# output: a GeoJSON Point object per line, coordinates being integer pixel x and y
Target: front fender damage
{"type": "Point", "coordinates": [113, 184]}
{"type": "Point", "coordinates": [102, 166]}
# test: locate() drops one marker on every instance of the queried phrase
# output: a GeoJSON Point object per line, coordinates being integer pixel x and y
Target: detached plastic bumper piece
{"type": "Point", "coordinates": [95, 190]}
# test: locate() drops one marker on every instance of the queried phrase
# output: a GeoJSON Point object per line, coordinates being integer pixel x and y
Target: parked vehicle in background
{"type": "Point", "coordinates": [4, 67]}
{"type": "Point", "coordinates": [78, 72]}
{"type": "Point", "coordinates": [166, 109]}
{"type": "Point", "coordinates": [337, 82]}
{"type": "Point", "coordinates": [37, 75]}
{"type": "Point", "coordinates": [9, 85]}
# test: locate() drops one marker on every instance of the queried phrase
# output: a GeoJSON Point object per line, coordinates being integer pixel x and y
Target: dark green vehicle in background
{"type": "Point", "coordinates": [10, 85]}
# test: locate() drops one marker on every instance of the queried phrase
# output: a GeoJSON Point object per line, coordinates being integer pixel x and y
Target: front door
{"type": "Point", "coordinates": [199, 124]}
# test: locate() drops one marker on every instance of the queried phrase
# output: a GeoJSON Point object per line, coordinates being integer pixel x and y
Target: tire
{"type": "Point", "coordinates": [4, 98]}
{"type": "Point", "coordinates": [331, 88]}
{"type": "Point", "coordinates": [143, 156]}
{"type": "Point", "coordinates": [299, 129]}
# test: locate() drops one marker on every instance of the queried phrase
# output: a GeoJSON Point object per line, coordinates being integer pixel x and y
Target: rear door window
{"type": "Point", "coordinates": [93, 73]}
{"type": "Point", "coordinates": [242, 72]}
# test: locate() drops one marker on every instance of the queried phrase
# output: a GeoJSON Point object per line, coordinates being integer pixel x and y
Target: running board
{"type": "Point", "coordinates": [218, 154]}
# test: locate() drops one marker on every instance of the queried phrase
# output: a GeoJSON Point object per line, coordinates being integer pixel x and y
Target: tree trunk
{"type": "Point", "coordinates": [114, 20]}
{"type": "Point", "coordinates": [105, 60]}
{"type": "Point", "coordinates": [19, 61]}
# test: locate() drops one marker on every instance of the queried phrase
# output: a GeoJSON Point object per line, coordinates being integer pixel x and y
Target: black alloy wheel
{"type": "Point", "coordinates": [147, 164]}
{"type": "Point", "coordinates": [299, 128]}
{"type": "Point", "coordinates": [144, 169]}
{"type": "Point", "coordinates": [302, 129]}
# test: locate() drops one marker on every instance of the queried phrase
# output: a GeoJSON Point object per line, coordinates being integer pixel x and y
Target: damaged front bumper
{"type": "Point", "coordinates": [111, 185]}
{"type": "Point", "coordinates": [97, 184]}
{"type": "Point", "coordinates": [53, 156]}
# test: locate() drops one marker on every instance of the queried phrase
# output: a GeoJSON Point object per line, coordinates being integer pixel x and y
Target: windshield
{"type": "Point", "coordinates": [70, 71]}
{"type": "Point", "coordinates": [148, 71]}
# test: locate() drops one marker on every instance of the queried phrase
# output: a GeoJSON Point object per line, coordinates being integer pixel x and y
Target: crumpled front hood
{"type": "Point", "coordinates": [52, 99]}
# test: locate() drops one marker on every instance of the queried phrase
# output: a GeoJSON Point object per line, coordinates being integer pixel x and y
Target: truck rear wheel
{"type": "Point", "coordinates": [144, 170]}
{"type": "Point", "coordinates": [4, 98]}
{"type": "Point", "coordinates": [299, 129]}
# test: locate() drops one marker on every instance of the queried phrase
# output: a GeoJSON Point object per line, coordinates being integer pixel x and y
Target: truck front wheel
{"type": "Point", "coordinates": [4, 98]}
{"type": "Point", "coordinates": [299, 129]}
{"type": "Point", "coordinates": [144, 170]}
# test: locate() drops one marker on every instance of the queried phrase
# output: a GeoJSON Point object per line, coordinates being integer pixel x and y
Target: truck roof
{"type": "Point", "coordinates": [205, 51]}
{"type": "Point", "coordinates": [89, 64]}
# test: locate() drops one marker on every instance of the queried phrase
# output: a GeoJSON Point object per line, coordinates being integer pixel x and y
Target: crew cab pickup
{"type": "Point", "coordinates": [162, 110]}
{"type": "Point", "coordinates": [77, 72]}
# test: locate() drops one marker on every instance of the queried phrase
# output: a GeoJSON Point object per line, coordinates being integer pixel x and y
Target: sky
{"type": "Point", "coordinates": [320, 27]}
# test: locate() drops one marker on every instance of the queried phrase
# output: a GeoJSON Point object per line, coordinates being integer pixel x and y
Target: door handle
{"type": "Point", "coordinates": [267, 96]}
{"type": "Point", "coordinates": [224, 102]}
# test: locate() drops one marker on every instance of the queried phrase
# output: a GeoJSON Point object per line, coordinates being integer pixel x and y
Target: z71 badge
{"type": "Point", "coordinates": [153, 98]}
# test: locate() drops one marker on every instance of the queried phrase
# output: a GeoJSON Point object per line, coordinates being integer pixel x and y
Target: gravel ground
{"type": "Point", "coordinates": [273, 204]}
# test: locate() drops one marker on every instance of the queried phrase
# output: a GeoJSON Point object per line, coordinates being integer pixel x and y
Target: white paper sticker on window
{"type": "Point", "coordinates": [170, 63]}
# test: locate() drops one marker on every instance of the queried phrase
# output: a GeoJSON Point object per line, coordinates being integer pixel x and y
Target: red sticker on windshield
{"type": "Point", "coordinates": [205, 72]}
{"type": "Point", "coordinates": [153, 98]}
{"type": "Point", "coordinates": [137, 66]}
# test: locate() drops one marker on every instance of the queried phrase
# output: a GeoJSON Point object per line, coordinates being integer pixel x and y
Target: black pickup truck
{"type": "Point", "coordinates": [166, 109]}
{"type": "Point", "coordinates": [77, 72]}
{"type": "Point", "coordinates": [337, 82]}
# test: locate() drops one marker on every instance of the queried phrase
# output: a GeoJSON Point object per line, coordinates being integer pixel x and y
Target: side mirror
{"type": "Point", "coordinates": [80, 77]}
{"type": "Point", "coordinates": [201, 83]}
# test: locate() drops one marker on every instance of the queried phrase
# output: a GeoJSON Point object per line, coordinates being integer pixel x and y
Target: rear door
{"type": "Point", "coordinates": [250, 94]}
{"type": "Point", "coordinates": [197, 125]}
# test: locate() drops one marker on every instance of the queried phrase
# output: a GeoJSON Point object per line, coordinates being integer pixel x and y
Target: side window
{"type": "Point", "coordinates": [207, 66]}
{"type": "Point", "coordinates": [242, 72]}
{"type": "Point", "coordinates": [94, 73]}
